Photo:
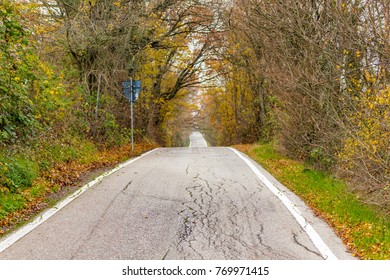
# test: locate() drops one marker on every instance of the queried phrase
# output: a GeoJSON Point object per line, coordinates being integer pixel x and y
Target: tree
{"type": "Point", "coordinates": [325, 73]}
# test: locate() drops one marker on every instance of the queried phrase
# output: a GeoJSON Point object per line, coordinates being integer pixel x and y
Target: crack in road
{"type": "Point", "coordinates": [96, 225]}
{"type": "Point", "coordinates": [295, 238]}
{"type": "Point", "coordinates": [260, 238]}
{"type": "Point", "coordinates": [166, 254]}
{"type": "Point", "coordinates": [127, 186]}
{"type": "Point", "coordinates": [211, 219]}
{"type": "Point", "coordinates": [201, 225]}
{"type": "Point", "coordinates": [180, 204]}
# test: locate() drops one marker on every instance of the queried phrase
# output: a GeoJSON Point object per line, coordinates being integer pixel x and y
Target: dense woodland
{"type": "Point", "coordinates": [310, 75]}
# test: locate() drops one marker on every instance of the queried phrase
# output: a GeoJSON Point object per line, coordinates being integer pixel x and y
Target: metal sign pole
{"type": "Point", "coordinates": [98, 94]}
{"type": "Point", "coordinates": [131, 90]}
{"type": "Point", "coordinates": [131, 112]}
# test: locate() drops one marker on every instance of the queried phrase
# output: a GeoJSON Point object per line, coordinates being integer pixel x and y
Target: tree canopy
{"type": "Point", "coordinates": [311, 75]}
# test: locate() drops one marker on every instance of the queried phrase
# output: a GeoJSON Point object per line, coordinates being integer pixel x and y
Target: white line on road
{"type": "Point", "coordinates": [324, 250]}
{"type": "Point", "coordinates": [23, 231]}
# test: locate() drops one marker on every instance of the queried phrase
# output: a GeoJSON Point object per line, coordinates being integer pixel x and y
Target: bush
{"type": "Point", "coordinates": [16, 113]}
{"type": "Point", "coordinates": [17, 173]}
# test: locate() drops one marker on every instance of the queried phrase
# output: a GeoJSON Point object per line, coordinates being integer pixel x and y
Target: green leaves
{"type": "Point", "coordinates": [16, 111]}
{"type": "Point", "coordinates": [17, 173]}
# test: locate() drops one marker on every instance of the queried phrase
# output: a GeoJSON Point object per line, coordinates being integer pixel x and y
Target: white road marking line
{"type": "Point", "coordinates": [23, 231]}
{"type": "Point", "coordinates": [324, 250]}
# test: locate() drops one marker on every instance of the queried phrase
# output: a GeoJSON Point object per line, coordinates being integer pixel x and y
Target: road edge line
{"type": "Point", "coordinates": [13, 237]}
{"type": "Point", "coordinates": [324, 250]}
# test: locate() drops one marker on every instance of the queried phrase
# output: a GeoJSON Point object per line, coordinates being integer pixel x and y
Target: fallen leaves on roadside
{"type": "Point", "coordinates": [364, 239]}
{"type": "Point", "coordinates": [65, 175]}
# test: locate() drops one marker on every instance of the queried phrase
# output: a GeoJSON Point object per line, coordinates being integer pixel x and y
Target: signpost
{"type": "Point", "coordinates": [132, 90]}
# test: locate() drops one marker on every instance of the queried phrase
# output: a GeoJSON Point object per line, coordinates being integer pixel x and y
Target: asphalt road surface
{"type": "Point", "coordinates": [181, 203]}
{"type": "Point", "coordinates": [197, 140]}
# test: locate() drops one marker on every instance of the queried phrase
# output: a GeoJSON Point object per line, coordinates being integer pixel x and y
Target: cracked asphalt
{"type": "Point", "coordinates": [178, 203]}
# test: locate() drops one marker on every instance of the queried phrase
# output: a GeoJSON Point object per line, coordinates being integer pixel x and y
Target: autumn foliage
{"type": "Point", "coordinates": [315, 76]}
{"type": "Point", "coordinates": [311, 75]}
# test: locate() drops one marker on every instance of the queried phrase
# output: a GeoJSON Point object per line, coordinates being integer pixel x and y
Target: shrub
{"type": "Point", "coordinates": [17, 173]}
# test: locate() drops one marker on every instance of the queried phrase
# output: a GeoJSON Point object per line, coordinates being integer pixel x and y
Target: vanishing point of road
{"type": "Point", "coordinates": [181, 203]}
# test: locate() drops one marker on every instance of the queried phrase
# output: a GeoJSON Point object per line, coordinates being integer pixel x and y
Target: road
{"type": "Point", "coordinates": [197, 140]}
{"type": "Point", "coordinates": [181, 203]}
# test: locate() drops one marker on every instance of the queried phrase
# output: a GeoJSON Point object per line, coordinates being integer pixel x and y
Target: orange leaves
{"type": "Point", "coordinates": [364, 230]}
{"type": "Point", "coordinates": [65, 174]}
{"type": "Point", "coordinates": [71, 173]}
{"type": "Point", "coordinates": [245, 148]}
{"type": "Point", "coordinates": [22, 215]}
{"type": "Point", "coordinates": [54, 184]}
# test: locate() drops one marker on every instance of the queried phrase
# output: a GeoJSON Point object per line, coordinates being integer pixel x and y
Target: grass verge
{"type": "Point", "coordinates": [364, 230]}
{"type": "Point", "coordinates": [67, 173]}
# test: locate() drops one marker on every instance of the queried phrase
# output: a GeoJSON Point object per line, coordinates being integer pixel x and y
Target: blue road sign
{"type": "Point", "coordinates": [132, 89]}
{"type": "Point", "coordinates": [127, 90]}
{"type": "Point", "coordinates": [136, 89]}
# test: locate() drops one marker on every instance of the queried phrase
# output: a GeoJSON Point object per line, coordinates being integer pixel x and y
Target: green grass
{"type": "Point", "coordinates": [9, 203]}
{"type": "Point", "coordinates": [19, 169]}
{"type": "Point", "coordinates": [364, 228]}
{"type": "Point", "coordinates": [74, 149]}
{"type": "Point", "coordinates": [17, 172]}
{"type": "Point", "coordinates": [28, 174]}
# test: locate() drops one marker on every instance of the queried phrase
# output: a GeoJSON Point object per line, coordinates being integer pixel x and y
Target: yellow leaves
{"type": "Point", "coordinates": [345, 8]}
{"type": "Point", "coordinates": [358, 54]}
{"type": "Point", "coordinates": [92, 2]}
{"type": "Point", "coordinates": [67, 174]}
{"type": "Point", "coordinates": [3, 190]}
{"type": "Point", "coordinates": [383, 97]}
{"type": "Point", "coordinates": [46, 70]}
{"type": "Point", "coordinates": [370, 128]}
{"type": "Point", "coordinates": [369, 77]}
{"type": "Point", "coordinates": [40, 30]}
